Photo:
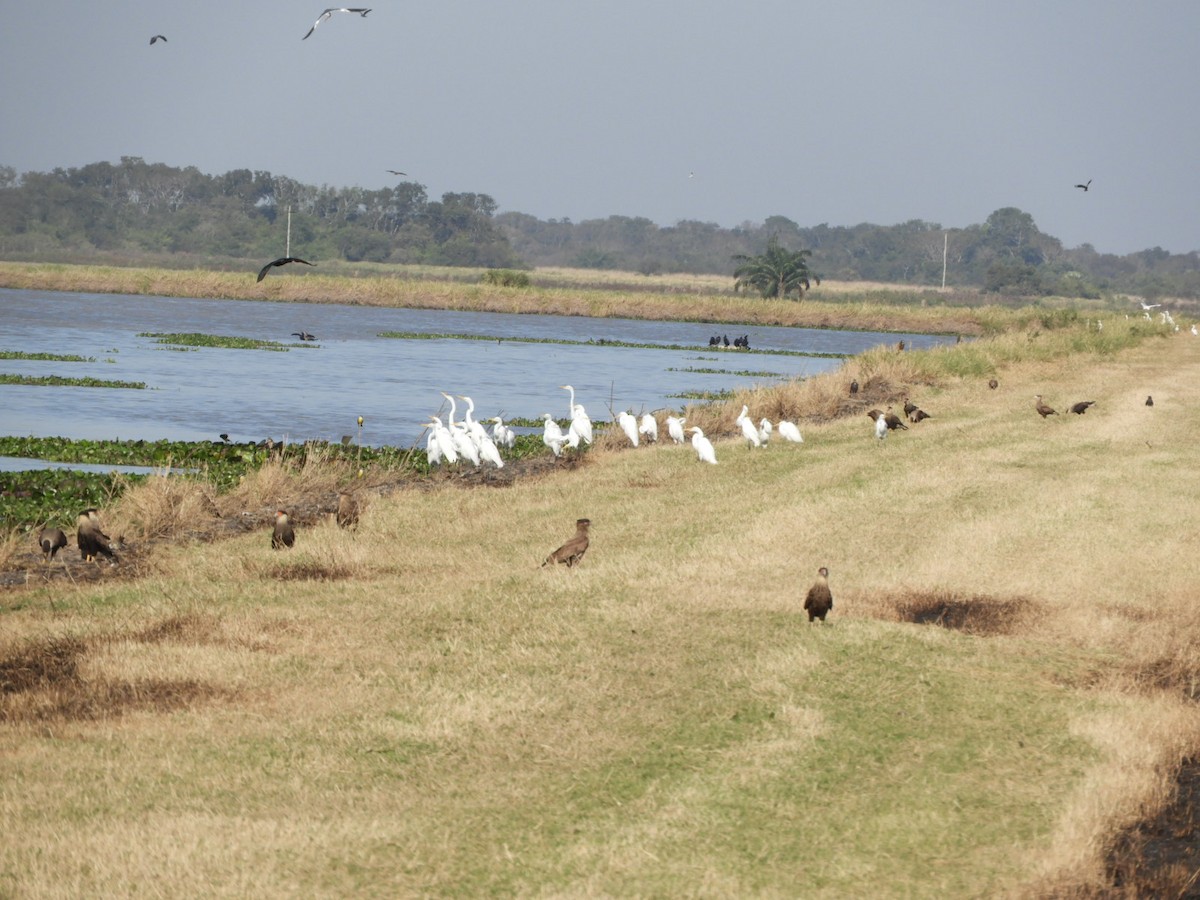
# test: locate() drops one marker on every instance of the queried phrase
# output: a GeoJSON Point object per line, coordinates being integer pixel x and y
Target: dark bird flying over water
{"type": "Point", "coordinates": [282, 261]}
{"type": "Point", "coordinates": [329, 12]}
{"type": "Point", "coordinates": [304, 335]}
{"type": "Point", "coordinates": [1084, 187]}
{"type": "Point", "coordinates": [158, 37]}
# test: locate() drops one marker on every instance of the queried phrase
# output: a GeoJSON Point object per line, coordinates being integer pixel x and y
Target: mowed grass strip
{"type": "Point", "coordinates": [421, 708]}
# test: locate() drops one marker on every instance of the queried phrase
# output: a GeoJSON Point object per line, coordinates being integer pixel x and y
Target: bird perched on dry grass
{"type": "Point", "coordinates": [1042, 408]}
{"type": "Point", "coordinates": [1081, 407]}
{"type": "Point", "coordinates": [854, 386]}
{"type": "Point", "coordinates": [51, 540]}
{"type": "Point", "coordinates": [918, 415]}
{"type": "Point", "coordinates": [91, 539]}
{"type": "Point", "coordinates": [893, 421]}
{"type": "Point", "coordinates": [283, 535]}
{"type": "Point", "coordinates": [819, 600]}
{"type": "Point", "coordinates": [347, 511]}
{"type": "Point", "coordinates": [909, 406]}
{"type": "Point", "coordinates": [993, 384]}
{"type": "Point", "coordinates": [572, 551]}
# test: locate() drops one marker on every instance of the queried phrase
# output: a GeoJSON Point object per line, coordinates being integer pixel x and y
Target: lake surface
{"type": "Point", "coordinates": [319, 389]}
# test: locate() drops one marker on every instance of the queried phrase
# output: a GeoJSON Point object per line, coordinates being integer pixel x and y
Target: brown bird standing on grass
{"type": "Point", "coordinates": [918, 415]}
{"type": "Point", "coordinates": [51, 540]}
{"type": "Point", "coordinates": [909, 406]}
{"type": "Point", "coordinates": [1042, 408]}
{"type": "Point", "coordinates": [572, 551]}
{"type": "Point", "coordinates": [1149, 401]}
{"type": "Point", "coordinates": [283, 535]}
{"type": "Point", "coordinates": [854, 386]}
{"type": "Point", "coordinates": [993, 384]}
{"type": "Point", "coordinates": [1081, 407]}
{"type": "Point", "coordinates": [819, 600]}
{"type": "Point", "coordinates": [893, 420]}
{"type": "Point", "coordinates": [347, 511]}
{"type": "Point", "coordinates": [91, 539]}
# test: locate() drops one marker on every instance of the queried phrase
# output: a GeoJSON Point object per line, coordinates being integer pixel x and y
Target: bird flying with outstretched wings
{"type": "Point", "coordinates": [282, 261]}
{"type": "Point", "coordinates": [1084, 187]}
{"type": "Point", "coordinates": [394, 172]}
{"type": "Point", "coordinates": [158, 37]}
{"type": "Point", "coordinates": [329, 12]}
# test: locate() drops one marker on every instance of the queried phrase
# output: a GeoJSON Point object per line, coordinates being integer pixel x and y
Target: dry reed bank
{"type": "Point", "coordinates": [419, 708]}
{"type": "Point", "coordinates": [694, 298]}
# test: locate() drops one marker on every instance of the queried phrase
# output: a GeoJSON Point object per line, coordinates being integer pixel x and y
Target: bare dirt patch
{"type": "Point", "coordinates": [977, 614]}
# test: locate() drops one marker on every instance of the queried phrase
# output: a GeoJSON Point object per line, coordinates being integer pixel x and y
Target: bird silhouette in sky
{"type": "Point", "coordinates": [282, 261]}
{"type": "Point", "coordinates": [1084, 187]}
{"type": "Point", "coordinates": [394, 172]}
{"type": "Point", "coordinates": [158, 37]}
{"type": "Point", "coordinates": [329, 12]}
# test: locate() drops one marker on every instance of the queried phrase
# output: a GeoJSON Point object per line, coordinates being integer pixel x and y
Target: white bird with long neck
{"type": "Point", "coordinates": [749, 432]}
{"type": "Point", "coordinates": [649, 427]}
{"type": "Point", "coordinates": [675, 429]}
{"type": "Point", "coordinates": [502, 434]}
{"type": "Point", "coordinates": [581, 425]}
{"type": "Point", "coordinates": [703, 446]}
{"type": "Point", "coordinates": [476, 431]}
{"type": "Point", "coordinates": [458, 433]}
{"type": "Point", "coordinates": [789, 432]}
{"type": "Point", "coordinates": [445, 443]}
{"type": "Point", "coordinates": [764, 430]}
{"type": "Point", "coordinates": [628, 425]}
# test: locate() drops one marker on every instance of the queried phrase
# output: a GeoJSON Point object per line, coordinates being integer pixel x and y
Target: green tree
{"type": "Point", "coordinates": [776, 273]}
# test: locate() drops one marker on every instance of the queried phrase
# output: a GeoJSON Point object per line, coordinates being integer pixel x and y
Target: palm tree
{"type": "Point", "coordinates": [776, 273]}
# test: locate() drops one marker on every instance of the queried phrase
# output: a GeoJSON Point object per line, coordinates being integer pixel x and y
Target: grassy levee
{"type": "Point", "coordinates": [694, 298]}
{"type": "Point", "coordinates": [420, 709]}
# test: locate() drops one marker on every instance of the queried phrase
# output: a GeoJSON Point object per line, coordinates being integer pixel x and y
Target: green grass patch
{"type": "Point", "coordinates": [49, 357]}
{"type": "Point", "coordinates": [229, 342]}
{"type": "Point", "coordinates": [63, 381]}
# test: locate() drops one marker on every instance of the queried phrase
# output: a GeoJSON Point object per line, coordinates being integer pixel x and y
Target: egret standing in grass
{"type": "Point", "coordinates": [581, 425]}
{"type": "Point", "coordinates": [503, 435]}
{"type": "Point", "coordinates": [649, 427]}
{"type": "Point", "coordinates": [675, 429]}
{"type": "Point", "coordinates": [703, 446]}
{"type": "Point", "coordinates": [628, 425]}
{"type": "Point", "coordinates": [764, 430]}
{"type": "Point", "coordinates": [552, 435]}
{"type": "Point", "coordinates": [881, 428]}
{"type": "Point", "coordinates": [789, 432]}
{"type": "Point", "coordinates": [749, 432]}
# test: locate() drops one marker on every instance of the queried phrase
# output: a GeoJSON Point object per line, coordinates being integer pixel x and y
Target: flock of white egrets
{"type": "Point", "coordinates": [469, 440]}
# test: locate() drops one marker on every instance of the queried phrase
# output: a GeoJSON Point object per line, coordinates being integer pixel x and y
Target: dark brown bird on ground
{"type": "Point", "coordinates": [900, 346]}
{"type": "Point", "coordinates": [282, 261]}
{"type": "Point", "coordinates": [918, 415]}
{"type": "Point", "coordinates": [993, 384]}
{"type": "Point", "coordinates": [347, 511]}
{"type": "Point", "coordinates": [51, 540]}
{"type": "Point", "coordinates": [854, 387]}
{"type": "Point", "coordinates": [819, 600]}
{"type": "Point", "coordinates": [1149, 401]}
{"type": "Point", "coordinates": [874, 413]}
{"type": "Point", "coordinates": [283, 535]}
{"type": "Point", "coordinates": [91, 540]}
{"type": "Point", "coordinates": [1081, 407]}
{"type": "Point", "coordinates": [1042, 408]}
{"type": "Point", "coordinates": [572, 551]}
{"type": "Point", "coordinates": [893, 420]}
{"type": "Point", "coordinates": [909, 406]}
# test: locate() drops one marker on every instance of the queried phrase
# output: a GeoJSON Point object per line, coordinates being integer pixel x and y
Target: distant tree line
{"type": "Point", "coordinates": [135, 208]}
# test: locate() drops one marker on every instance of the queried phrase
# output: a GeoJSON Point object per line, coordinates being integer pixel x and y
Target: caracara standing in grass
{"type": "Point", "coordinates": [1042, 408]}
{"type": "Point", "coordinates": [909, 406]}
{"type": "Point", "coordinates": [1149, 401]}
{"type": "Point", "coordinates": [918, 415]}
{"type": "Point", "coordinates": [819, 600]}
{"type": "Point", "coordinates": [347, 511]}
{"type": "Point", "coordinates": [1081, 407]}
{"type": "Point", "coordinates": [51, 540]}
{"type": "Point", "coordinates": [893, 420]}
{"type": "Point", "coordinates": [572, 551]}
{"type": "Point", "coordinates": [91, 539]}
{"type": "Point", "coordinates": [283, 535]}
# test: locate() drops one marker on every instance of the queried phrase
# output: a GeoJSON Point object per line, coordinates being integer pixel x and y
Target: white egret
{"type": "Point", "coordinates": [502, 434]}
{"type": "Point", "coordinates": [458, 433]}
{"type": "Point", "coordinates": [703, 446]}
{"type": "Point", "coordinates": [628, 425]}
{"type": "Point", "coordinates": [477, 432]}
{"type": "Point", "coordinates": [445, 441]}
{"type": "Point", "coordinates": [881, 428]}
{"type": "Point", "coordinates": [433, 453]}
{"type": "Point", "coordinates": [552, 435]}
{"type": "Point", "coordinates": [649, 427]}
{"type": "Point", "coordinates": [749, 432]}
{"type": "Point", "coordinates": [789, 432]}
{"type": "Point", "coordinates": [675, 429]}
{"type": "Point", "coordinates": [580, 423]}
{"type": "Point", "coordinates": [764, 430]}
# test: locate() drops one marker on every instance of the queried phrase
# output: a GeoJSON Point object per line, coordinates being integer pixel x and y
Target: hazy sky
{"type": "Point", "coordinates": [873, 111]}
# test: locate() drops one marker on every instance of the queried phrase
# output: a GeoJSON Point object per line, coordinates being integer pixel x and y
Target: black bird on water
{"type": "Point", "coordinates": [1084, 187]}
{"type": "Point", "coordinates": [282, 261]}
{"type": "Point", "coordinates": [304, 335]}
{"type": "Point", "coordinates": [158, 37]}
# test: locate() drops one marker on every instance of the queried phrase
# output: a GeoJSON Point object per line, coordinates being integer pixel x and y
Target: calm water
{"type": "Point", "coordinates": [320, 390]}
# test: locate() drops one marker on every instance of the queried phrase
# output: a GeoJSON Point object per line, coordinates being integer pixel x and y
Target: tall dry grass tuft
{"type": "Point", "coordinates": [164, 506]}
{"type": "Point", "coordinates": [13, 542]}
{"type": "Point", "coordinates": [281, 481]}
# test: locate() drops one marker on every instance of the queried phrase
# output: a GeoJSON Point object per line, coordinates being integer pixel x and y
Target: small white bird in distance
{"type": "Point", "coordinates": [789, 432]}
{"type": "Point", "coordinates": [703, 446]}
{"type": "Point", "coordinates": [675, 429]}
{"type": "Point", "coordinates": [649, 427]}
{"type": "Point", "coordinates": [329, 12]}
{"type": "Point", "coordinates": [628, 425]}
{"type": "Point", "coordinates": [881, 429]}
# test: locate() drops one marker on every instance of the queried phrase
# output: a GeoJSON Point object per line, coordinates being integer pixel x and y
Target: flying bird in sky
{"type": "Point", "coordinates": [158, 37]}
{"type": "Point", "coordinates": [282, 261]}
{"type": "Point", "coordinates": [394, 172]}
{"type": "Point", "coordinates": [329, 12]}
{"type": "Point", "coordinates": [1084, 187]}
